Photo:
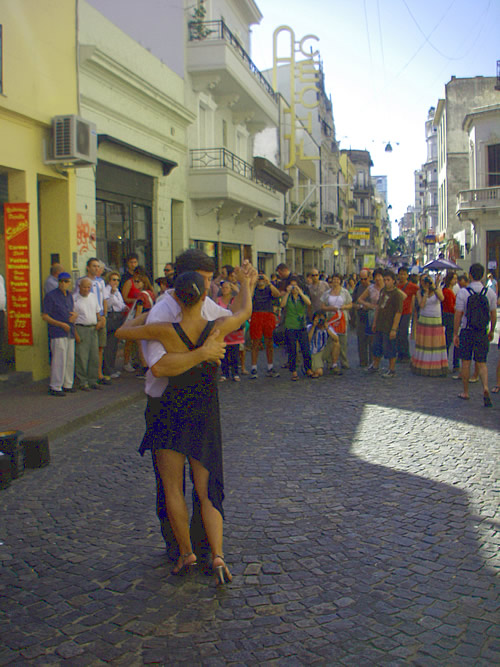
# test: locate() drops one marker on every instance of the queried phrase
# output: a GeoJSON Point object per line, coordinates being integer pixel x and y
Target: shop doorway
{"type": "Point", "coordinates": [124, 204]}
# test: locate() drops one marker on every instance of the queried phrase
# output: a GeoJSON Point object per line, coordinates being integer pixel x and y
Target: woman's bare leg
{"type": "Point", "coordinates": [212, 518]}
{"type": "Point", "coordinates": [171, 469]}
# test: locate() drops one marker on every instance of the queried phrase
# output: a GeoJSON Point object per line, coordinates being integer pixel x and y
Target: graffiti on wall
{"type": "Point", "coordinates": [85, 236]}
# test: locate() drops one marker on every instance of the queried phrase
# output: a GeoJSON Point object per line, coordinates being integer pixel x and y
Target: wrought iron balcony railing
{"type": "Point", "coordinates": [218, 30]}
{"type": "Point", "coordinates": [220, 158]}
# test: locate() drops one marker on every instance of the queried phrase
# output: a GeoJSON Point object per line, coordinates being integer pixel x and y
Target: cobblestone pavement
{"type": "Point", "coordinates": [360, 529]}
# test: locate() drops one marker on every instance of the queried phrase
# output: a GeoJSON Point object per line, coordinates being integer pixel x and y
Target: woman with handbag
{"type": "Point", "coordinates": [335, 303]}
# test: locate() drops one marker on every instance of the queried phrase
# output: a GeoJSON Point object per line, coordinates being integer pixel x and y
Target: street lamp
{"type": "Point", "coordinates": [335, 255]}
{"type": "Point", "coordinates": [284, 238]}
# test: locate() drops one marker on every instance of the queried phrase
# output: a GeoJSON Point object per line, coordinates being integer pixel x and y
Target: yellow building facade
{"type": "Point", "coordinates": [38, 82]}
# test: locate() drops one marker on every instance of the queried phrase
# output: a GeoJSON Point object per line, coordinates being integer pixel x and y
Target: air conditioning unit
{"type": "Point", "coordinates": [74, 141]}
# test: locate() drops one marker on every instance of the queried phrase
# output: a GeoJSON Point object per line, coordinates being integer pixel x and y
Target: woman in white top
{"type": "Point", "coordinates": [117, 309]}
{"type": "Point", "coordinates": [430, 356]}
{"type": "Point", "coordinates": [335, 303]}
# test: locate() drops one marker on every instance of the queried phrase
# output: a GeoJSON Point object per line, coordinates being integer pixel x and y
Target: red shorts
{"type": "Point", "coordinates": [262, 324]}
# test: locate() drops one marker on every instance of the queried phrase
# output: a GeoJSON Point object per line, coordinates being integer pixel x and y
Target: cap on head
{"type": "Point", "coordinates": [64, 276]}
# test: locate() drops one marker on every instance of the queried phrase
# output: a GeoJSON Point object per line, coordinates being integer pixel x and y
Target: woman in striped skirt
{"type": "Point", "coordinates": [430, 357]}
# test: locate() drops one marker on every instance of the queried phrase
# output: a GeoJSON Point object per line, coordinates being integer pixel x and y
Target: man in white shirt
{"type": "Point", "coordinates": [161, 365]}
{"type": "Point", "coordinates": [470, 339]}
{"type": "Point", "coordinates": [89, 320]}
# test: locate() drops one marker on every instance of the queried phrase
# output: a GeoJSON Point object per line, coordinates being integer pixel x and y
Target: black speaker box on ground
{"type": "Point", "coordinates": [5, 470]}
{"type": "Point", "coordinates": [36, 451]}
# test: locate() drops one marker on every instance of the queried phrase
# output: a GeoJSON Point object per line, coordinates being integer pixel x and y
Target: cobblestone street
{"type": "Point", "coordinates": [360, 530]}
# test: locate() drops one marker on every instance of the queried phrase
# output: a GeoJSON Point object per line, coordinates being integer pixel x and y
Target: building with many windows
{"type": "Point", "coordinates": [479, 204]}
{"type": "Point", "coordinates": [462, 95]}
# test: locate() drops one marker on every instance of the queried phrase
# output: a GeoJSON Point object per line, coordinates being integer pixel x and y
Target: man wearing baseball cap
{"type": "Point", "coordinates": [58, 312]}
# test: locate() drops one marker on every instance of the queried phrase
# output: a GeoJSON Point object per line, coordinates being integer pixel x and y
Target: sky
{"type": "Point", "coordinates": [386, 62]}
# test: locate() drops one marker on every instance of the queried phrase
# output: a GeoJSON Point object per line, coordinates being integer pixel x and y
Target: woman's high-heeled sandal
{"type": "Point", "coordinates": [221, 572]}
{"type": "Point", "coordinates": [185, 568]}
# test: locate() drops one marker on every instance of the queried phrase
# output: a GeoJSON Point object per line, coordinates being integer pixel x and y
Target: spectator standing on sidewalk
{"type": "Point", "coordinates": [233, 340]}
{"type": "Point", "coordinates": [52, 281]}
{"type": "Point", "coordinates": [89, 320]}
{"type": "Point", "coordinates": [448, 308]}
{"type": "Point", "coordinates": [410, 290]}
{"type": "Point", "coordinates": [362, 327]}
{"type": "Point", "coordinates": [116, 311]}
{"type": "Point", "coordinates": [263, 323]}
{"type": "Point", "coordinates": [295, 303]}
{"type": "Point", "coordinates": [335, 303]}
{"type": "Point", "coordinates": [430, 357]}
{"type": "Point", "coordinates": [317, 288]}
{"type": "Point", "coordinates": [131, 263]}
{"type": "Point", "coordinates": [58, 312]}
{"type": "Point", "coordinates": [386, 323]}
{"type": "Point", "coordinates": [475, 313]}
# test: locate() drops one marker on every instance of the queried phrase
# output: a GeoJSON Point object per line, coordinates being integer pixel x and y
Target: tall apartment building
{"type": "Point", "coordinates": [462, 95]}
{"type": "Point", "coordinates": [479, 204]}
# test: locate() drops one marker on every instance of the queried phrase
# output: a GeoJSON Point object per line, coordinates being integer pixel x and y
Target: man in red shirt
{"type": "Point", "coordinates": [409, 289]}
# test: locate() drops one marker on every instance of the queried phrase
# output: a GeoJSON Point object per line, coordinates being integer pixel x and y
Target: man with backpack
{"type": "Point", "coordinates": [475, 310]}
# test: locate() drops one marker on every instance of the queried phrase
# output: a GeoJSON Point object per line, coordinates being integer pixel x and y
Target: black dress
{"type": "Point", "coordinates": [188, 419]}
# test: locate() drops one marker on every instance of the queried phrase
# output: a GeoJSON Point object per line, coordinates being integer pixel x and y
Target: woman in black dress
{"type": "Point", "coordinates": [190, 417]}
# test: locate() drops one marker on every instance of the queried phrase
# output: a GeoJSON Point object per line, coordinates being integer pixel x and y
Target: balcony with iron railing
{"type": "Point", "coordinates": [484, 199]}
{"type": "Point", "coordinates": [217, 173]}
{"type": "Point", "coordinates": [218, 63]}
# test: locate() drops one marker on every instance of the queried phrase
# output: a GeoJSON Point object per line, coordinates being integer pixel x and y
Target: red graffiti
{"type": "Point", "coordinates": [85, 235]}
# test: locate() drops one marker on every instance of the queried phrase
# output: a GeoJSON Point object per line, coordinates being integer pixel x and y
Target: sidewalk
{"type": "Point", "coordinates": [27, 406]}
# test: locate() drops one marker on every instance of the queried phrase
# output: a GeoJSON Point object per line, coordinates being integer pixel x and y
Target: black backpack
{"type": "Point", "coordinates": [478, 310]}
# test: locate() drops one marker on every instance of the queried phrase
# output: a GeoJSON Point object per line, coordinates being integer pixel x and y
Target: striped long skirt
{"type": "Point", "coordinates": [430, 357]}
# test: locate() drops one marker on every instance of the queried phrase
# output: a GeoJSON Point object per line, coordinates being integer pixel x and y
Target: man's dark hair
{"type": "Point", "coordinates": [281, 266]}
{"type": "Point", "coordinates": [390, 274]}
{"type": "Point", "coordinates": [476, 271]}
{"type": "Point", "coordinates": [193, 260]}
{"type": "Point", "coordinates": [132, 255]}
{"type": "Point", "coordinates": [403, 268]}
{"type": "Point", "coordinates": [229, 268]}
{"type": "Point", "coordinates": [92, 259]}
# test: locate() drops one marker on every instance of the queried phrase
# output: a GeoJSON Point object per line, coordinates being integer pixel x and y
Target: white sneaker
{"type": "Point", "coordinates": [115, 375]}
{"type": "Point", "coordinates": [129, 368]}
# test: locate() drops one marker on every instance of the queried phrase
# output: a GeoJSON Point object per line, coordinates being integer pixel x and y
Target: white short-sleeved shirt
{"type": "Point", "coordinates": [87, 308]}
{"type": "Point", "coordinates": [168, 310]}
{"type": "Point", "coordinates": [463, 296]}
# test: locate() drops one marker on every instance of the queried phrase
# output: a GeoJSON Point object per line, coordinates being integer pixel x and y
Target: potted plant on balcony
{"type": "Point", "coordinates": [197, 27]}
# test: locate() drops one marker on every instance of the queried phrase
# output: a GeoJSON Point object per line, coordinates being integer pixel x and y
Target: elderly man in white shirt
{"type": "Point", "coordinates": [89, 320]}
{"type": "Point", "coordinates": [161, 365]}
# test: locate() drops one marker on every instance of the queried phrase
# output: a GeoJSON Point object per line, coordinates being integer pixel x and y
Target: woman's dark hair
{"type": "Point", "coordinates": [336, 275]}
{"type": "Point", "coordinates": [377, 271]}
{"type": "Point", "coordinates": [142, 275]}
{"type": "Point", "coordinates": [189, 288]}
{"type": "Point", "coordinates": [193, 260]}
{"type": "Point", "coordinates": [448, 278]}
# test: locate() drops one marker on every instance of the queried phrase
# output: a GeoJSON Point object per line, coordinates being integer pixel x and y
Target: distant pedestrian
{"type": "Point", "coordinates": [233, 340]}
{"type": "Point", "coordinates": [336, 303]}
{"type": "Point", "coordinates": [3, 309]}
{"type": "Point", "coordinates": [363, 326]}
{"type": "Point", "coordinates": [324, 344]}
{"type": "Point", "coordinates": [58, 312]}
